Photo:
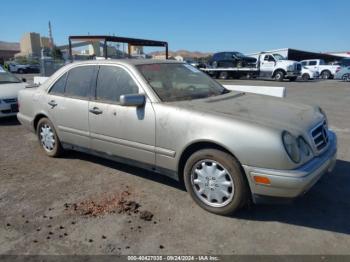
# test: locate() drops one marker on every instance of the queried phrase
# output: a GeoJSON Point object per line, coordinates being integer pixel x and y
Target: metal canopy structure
{"type": "Point", "coordinates": [117, 39]}
{"type": "Point", "coordinates": [299, 55]}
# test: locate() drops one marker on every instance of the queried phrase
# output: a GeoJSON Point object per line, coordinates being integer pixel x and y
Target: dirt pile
{"type": "Point", "coordinates": [109, 204]}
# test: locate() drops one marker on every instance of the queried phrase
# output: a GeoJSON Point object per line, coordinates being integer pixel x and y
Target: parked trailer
{"type": "Point", "coordinates": [271, 66]}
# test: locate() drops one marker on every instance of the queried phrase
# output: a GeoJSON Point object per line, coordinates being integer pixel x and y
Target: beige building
{"type": "Point", "coordinates": [45, 42]}
{"type": "Point", "coordinates": [136, 50]}
{"type": "Point", "coordinates": [30, 45]}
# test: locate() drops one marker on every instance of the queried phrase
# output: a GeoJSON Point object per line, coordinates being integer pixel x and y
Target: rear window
{"type": "Point", "coordinates": [79, 80]}
{"type": "Point", "coordinates": [58, 87]}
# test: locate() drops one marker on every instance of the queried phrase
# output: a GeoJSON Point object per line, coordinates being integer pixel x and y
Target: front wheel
{"type": "Point", "coordinates": [215, 181]}
{"type": "Point", "coordinates": [346, 77]}
{"type": "Point", "coordinates": [305, 77]}
{"type": "Point", "coordinates": [48, 138]}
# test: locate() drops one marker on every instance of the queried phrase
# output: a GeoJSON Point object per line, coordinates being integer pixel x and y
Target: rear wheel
{"type": "Point", "coordinates": [215, 181]}
{"type": "Point", "coordinates": [326, 74]}
{"type": "Point", "coordinates": [279, 76]}
{"type": "Point", "coordinates": [305, 77]}
{"type": "Point", "coordinates": [48, 138]}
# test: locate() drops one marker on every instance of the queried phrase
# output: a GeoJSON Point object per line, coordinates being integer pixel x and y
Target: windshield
{"type": "Point", "coordinates": [278, 57]}
{"type": "Point", "coordinates": [176, 82]}
{"type": "Point", "coordinates": [6, 77]}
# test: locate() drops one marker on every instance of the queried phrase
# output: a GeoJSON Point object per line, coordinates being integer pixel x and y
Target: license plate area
{"type": "Point", "coordinates": [14, 108]}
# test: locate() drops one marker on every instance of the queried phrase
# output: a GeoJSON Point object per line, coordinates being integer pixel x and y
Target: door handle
{"type": "Point", "coordinates": [96, 111]}
{"type": "Point", "coordinates": [52, 103]}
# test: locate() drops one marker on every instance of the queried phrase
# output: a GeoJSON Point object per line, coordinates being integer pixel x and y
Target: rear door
{"type": "Point", "coordinates": [70, 110]}
{"type": "Point", "coordinates": [127, 132]}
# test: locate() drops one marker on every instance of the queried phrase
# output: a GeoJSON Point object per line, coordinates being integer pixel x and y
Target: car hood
{"type": "Point", "coordinates": [11, 90]}
{"type": "Point", "coordinates": [265, 110]}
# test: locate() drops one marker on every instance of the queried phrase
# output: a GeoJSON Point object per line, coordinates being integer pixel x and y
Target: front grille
{"type": "Point", "coordinates": [320, 136]}
{"type": "Point", "coordinates": [10, 100]}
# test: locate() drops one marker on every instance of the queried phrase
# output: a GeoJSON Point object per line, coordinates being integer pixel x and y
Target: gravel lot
{"type": "Point", "coordinates": [47, 205]}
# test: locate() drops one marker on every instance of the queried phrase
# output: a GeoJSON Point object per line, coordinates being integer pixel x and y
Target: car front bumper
{"type": "Point", "coordinates": [8, 109]}
{"type": "Point", "coordinates": [293, 74]}
{"type": "Point", "coordinates": [293, 183]}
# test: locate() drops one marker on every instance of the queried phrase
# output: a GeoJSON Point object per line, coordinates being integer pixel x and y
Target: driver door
{"type": "Point", "coordinates": [127, 132]}
{"type": "Point", "coordinates": [267, 65]}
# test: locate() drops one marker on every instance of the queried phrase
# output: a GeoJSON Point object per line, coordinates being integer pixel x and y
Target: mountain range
{"type": "Point", "coordinates": [9, 46]}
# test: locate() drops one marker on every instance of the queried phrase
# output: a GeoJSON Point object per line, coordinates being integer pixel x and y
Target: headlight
{"type": "Point", "coordinates": [303, 146]}
{"type": "Point", "coordinates": [290, 68]}
{"type": "Point", "coordinates": [291, 145]}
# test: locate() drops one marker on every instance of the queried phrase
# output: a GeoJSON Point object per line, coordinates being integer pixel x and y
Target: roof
{"type": "Point", "coordinates": [128, 61]}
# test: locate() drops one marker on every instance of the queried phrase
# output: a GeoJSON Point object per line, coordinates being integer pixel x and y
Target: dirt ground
{"type": "Point", "coordinates": [81, 204]}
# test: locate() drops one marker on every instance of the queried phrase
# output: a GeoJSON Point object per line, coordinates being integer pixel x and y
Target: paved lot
{"type": "Point", "coordinates": [41, 210]}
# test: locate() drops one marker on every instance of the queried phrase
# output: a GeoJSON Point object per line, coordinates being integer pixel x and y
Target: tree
{"type": "Point", "coordinates": [56, 53]}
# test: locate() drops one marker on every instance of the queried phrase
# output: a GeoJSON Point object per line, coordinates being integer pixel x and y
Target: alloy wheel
{"type": "Point", "coordinates": [47, 137]}
{"type": "Point", "coordinates": [212, 183]}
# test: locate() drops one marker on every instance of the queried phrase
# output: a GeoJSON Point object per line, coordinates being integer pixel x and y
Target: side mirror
{"type": "Point", "coordinates": [24, 80]}
{"type": "Point", "coordinates": [132, 100]}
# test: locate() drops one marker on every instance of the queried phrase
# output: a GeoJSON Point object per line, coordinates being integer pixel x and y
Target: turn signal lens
{"type": "Point", "coordinates": [262, 180]}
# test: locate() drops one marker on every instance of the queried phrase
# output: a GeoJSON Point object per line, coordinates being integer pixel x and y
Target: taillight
{"type": "Point", "coordinates": [338, 69]}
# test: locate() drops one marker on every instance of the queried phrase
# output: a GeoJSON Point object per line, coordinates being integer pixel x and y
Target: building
{"type": "Point", "coordinates": [299, 55]}
{"type": "Point", "coordinates": [8, 51]}
{"type": "Point", "coordinates": [159, 57]}
{"type": "Point", "coordinates": [30, 45]}
{"type": "Point", "coordinates": [45, 42]}
{"type": "Point", "coordinates": [136, 50]}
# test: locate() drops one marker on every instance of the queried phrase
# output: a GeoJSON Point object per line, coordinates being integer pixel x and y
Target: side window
{"type": "Point", "coordinates": [266, 58]}
{"type": "Point", "coordinates": [303, 63]}
{"type": "Point", "coordinates": [59, 85]}
{"type": "Point", "coordinates": [312, 63]}
{"type": "Point", "coordinates": [79, 80]}
{"type": "Point", "coordinates": [112, 82]}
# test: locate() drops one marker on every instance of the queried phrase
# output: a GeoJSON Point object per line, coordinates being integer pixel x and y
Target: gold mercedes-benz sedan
{"type": "Point", "coordinates": [227, 147]}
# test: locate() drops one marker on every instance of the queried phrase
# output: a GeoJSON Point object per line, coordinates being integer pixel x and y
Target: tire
{"type": "Point", "coordinates": [292, 79]}
{"type": "Point", "coordinates": [46, 128]}
{"type": "Point", "coordinates": [20, 71]}
{"type": "Point", "coordinates": [220, 161]}
{"type": "Point", "coordinates": [279, 76]}
{"type": "Point", "coordinates": [345, 77]}
{"type": "Point", "coordinates": [305, 77]}
{"type": "Point", "coordinates": [326, 74]}
{"type": "Point", "coordinates": [223, 75]}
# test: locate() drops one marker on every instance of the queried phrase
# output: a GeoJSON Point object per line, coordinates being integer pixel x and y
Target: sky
{"type": "Point", "coordinates": [203, 25]}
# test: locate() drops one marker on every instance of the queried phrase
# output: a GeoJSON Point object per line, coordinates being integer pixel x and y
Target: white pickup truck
{"type": "Point", "coordinates": [325, 71]}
